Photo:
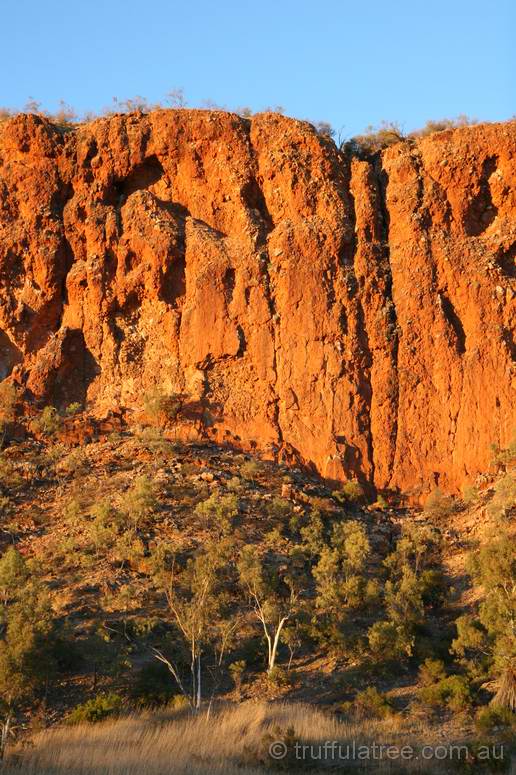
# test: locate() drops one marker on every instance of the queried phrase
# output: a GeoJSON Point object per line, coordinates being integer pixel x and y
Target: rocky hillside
{"type": "Point", "coordinates": [356, 315]}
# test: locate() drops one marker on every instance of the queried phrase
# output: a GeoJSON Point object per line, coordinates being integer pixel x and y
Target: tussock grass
{"type": "Point", "coordinates": [230, 740]}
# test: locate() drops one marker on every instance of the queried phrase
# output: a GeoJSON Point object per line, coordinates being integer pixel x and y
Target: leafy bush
{"type": "Point", "coordinates": [504, 457]}
{"type": "Point", "coordinates": [387, 641]}
{"type": "Point", "coordinates": [278, 678]}
{"type": "Point", "coordinates": [350, 492]}
{"type": "Point", "coordinates": [250, 470]}
{"type": "Point", "coordinates": [152, 686]}
{"type": "Point", "coordinates": [9, 476]}
{"type": "Point", "coordinates": [48, 422]}
{"type": "Point", "coordinates": [97, 709]}
{"type": "Point", "coordinates": [312, 535]}
{"type": "Point", "coordinates": [324, 128]}
{"type": "Point", "coordinates": [371, 704]}
{"type": "Point", "coordinates": [470, 495]}
{"type": "Point", "coordinates": [504, 499]}
{"type": "Point", "coordinates": [432, 671]}
{"type": "Point", "coordinates": [74, 463]}
{"type": "Point", "coordinates": [14, 573]}
{"type": "Point", "coordinates": [8, 397]}
{"type": "Point", "coordinates": [493, 718]}
{"type": "Point", "coordinates": [236, 671]}
{"type": "Point", "coordinates": [73, 409]}
{"type": "Point", "coordinates": [139, 501]}
{"type": "Point", "coordinates": [439, 506]}
{"type": "Point", "coordinates": [279, 508]}
{"type": "Point", "coordinates": [163, 406]}
{"type": "Point", "coordinates": [489, 634]}
{"type": "Point", "coordinates": [234, 484]}
{"type": "Point", "coordinates": [442, 124]}
{"type": "Point", "coordinates": [452, 692]}
{"type": "Point", "coordinates": [375, 139]}
{"type": "Point", "coordinates": [219, 511]}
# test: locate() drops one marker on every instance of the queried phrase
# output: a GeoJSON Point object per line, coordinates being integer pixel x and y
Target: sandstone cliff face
{"type": "Point", "coordinates": [357, 315]}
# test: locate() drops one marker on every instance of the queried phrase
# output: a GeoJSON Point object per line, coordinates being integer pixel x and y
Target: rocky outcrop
{"type": "Point", "coordinates": [359, 315]}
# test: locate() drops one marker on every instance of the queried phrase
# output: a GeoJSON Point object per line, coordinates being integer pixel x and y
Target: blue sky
{"type": "Point", "coordinates": [349, 63]}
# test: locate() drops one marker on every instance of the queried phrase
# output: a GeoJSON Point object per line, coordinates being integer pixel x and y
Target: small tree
{"type": "Point", "coordinates": [236, 671]}
{"type": "Point", "coordinates": [8, 397]}
{"type": "Point", "coordinates": [439, 506]}
{"type": "Point", "coordinates": [491, 631]}
{"type": "Point", "coordinates": [504, 499]}
{"type": "Point", "coordinates": [340, 573]}
{"type": "Point", "coordinates": [197, 602]}
{"type": "Point", "coordinates": [139, 501]}
{"type": "Point", "coordinates": [219, 511]}
{"type": "Point", "coordinates": [162, 406]}
{"type": "Point", "coordinates": [274, 593]}
{"type": "Point", "coordinates": [414, 583]}
{"type": "Point", "coordinates": [341, 583]}
{"type": "Point", "coordinates": [48, 422]}
{"type": "Point", "coordinates": [26, 658]}
{"type": "Point", "coordinates": [14, 573]}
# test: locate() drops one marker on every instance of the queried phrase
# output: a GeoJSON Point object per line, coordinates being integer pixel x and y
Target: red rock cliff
{"type": "Point", "coordinates": [361, 314]}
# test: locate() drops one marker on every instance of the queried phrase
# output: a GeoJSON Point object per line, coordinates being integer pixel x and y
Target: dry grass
{"type": "Point", "coordinates": [232, 740]}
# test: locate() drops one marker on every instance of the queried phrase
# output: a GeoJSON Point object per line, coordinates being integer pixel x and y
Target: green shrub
{"type": "Point", "coordinates": [139, 501]}
{"type": "Point", "coordinates": [75, 462]}
{"type": "Point", "coordinates": [153, 686]}
{"type": "Point", "coordinates": [234, 484]}
{"type": "Point", "coordinates": [504, 498]}
{"type": "Point", "coordinates": [504, 457]}
{"type": "Point", "coordinates": [439, 506]}
{"type": "Point", "coordinates": [453, 692]}
{"type": "Point", "coordinates": [278, 678]}
{"type": "Point", "coordinates": [8, 398]}
{"type": "Point", "coordinates": [279, 508]}
{"type": "Point", "coordinates": [350, 492]}
{"type": "Point", "coordinates": [387, 641]}
{"type": "Point", "coordinates": [219, 511]}
{"type": "Point", "coordinates": [73, 408]}
{"type": "Point", "coordinates": [236, 671]}
{"type": "Point", "coordinates": [97, 709]}
{"type": "Point", "coordinates": [9, 476]}
{"type": "Point", "coordinates": [432, 671]}
{"type": "Point", "coordinates": [14, 573]}
{"type": "Point", "coordinates": [442, 124]}
{"type": "Point", "coordinates": [493, 719]}
{"type": "Point", "coordinates": [470, 495]}
{"type": "Point", "coordinates": [312, 535]}
{"type": "Point", "coordinates": [371, 704]}
{"type": "Point", "coordinates": [163, 406]}
{"type": "Point", "coordinates": [381, 503]}
{"type": "Point", "coordinates": [434, 587]}
{"type": "Point", "coordinates": [250, 470]}
{"type": "Point", "coordinates": [375, 139]}
{"type": "Point", "coordinates": [48, 422]}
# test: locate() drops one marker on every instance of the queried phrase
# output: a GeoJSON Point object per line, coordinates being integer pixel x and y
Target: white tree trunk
{"type": "Point", "coordinates": [6, 728]}
{"type": "Point", "coordinates": [274, 651]}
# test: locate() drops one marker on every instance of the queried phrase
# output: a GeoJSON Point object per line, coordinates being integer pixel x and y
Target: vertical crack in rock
{"type": "Point", "coordinates": [364, 377]}
{"type": "Point", "coordinates": [381, 179]}
{"type": "Point", "coordinates": [454, 321]}
{"type": "Point", "coordinates": [254, 197]}
{"type": "Point", "coordinates": [481, 210]}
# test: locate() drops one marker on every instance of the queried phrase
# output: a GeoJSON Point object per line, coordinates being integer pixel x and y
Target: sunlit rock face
{"type": "Point", "coordinates": [355, 315]}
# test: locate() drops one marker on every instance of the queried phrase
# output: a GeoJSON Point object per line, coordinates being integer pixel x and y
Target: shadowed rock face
{"type": "Point", "coordinates": [360, 315]}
